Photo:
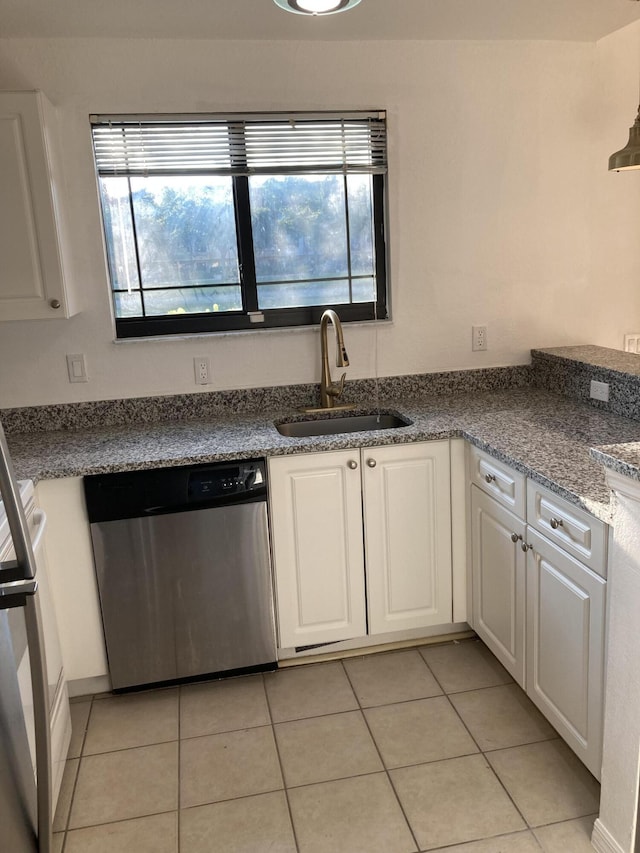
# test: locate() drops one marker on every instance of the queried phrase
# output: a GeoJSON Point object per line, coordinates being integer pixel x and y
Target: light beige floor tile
{"type": "Point", "coordinates": [572, 835]}
{"type": "Point", "coordinates": [247, 825]}
{"type": "Point", "coordinates": [58, 842]}
{"type": "Point", "coordinates": [323, 748]}
{"type": "Point", "coordinates": [309, 691]}
{"type": "Point", "coordinates": [546, 781]}
{"type": "Point", "coordinates": [79, 722]}
{"type": "Point", "coordinates": [224, 766]}
{"type": "Point", "coordinates": [419, 731]}
{"type": "Point", "coordinates": [519, 842]}
{"type": "Point", "coordinates": [500, 717]}
{"type": "Point", "coordinates": [122, 785]}
{"type": "Point", "coordinates": [454, 801]}
{"type": "Point", "coordinates": [66, 794]}
{"type": "Point", "coordinates": [155, 834]}
{"type": "Point", "coordinates": [387, 678]}
{"type": "Point", "coordinates": [223, 706]}
{"type": "Point", "coordinates": [358, 815]}
{"type": "Point", "coordinates": [468, 665]}
{"type": "Point", "coordinates": [139, 719]}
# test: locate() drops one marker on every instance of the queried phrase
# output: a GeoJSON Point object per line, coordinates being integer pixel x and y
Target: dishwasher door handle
{"type": "Point", "coordinates": [223, 500]}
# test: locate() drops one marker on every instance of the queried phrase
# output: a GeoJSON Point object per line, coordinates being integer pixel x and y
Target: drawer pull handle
{"type": "Point", "coordinates": [371, 463]}
{"type": "Point", "coordinates": [555, 523]}
{"type": "Point", "coordinates": [55, 304]}
{"type": "Point", "coordinates": [525, 547]}
{"type": "Point", "coordinates": [352, 464]}
{"type": "Point", "coordinates": [490, 478]}
{"type": "Point", "coordinates": [515, 538]}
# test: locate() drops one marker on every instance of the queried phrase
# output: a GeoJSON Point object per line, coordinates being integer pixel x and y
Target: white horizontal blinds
{"type": "Point", "coordinates": [161, 149]}
{"type": "Point", "coordinates": [316, 146]}
{"type": "Point", "coordinates": [294, 144]}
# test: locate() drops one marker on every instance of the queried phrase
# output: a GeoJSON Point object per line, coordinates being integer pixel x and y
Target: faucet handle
{"type": "Point", "coordinates": [336, 390]}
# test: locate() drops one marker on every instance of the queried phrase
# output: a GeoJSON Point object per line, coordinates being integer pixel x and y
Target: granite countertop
{"type": "Point", "coordinates": [545, 436]}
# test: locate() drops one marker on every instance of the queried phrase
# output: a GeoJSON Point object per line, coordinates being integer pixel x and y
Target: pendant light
{"type": "Point", "coordinates": [629, 156]}
{"type": "Point", "coordinates": [316, 7]}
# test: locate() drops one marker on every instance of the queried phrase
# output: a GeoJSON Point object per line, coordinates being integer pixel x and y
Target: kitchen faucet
{"type": "Point", "coordinates": [329, 390]}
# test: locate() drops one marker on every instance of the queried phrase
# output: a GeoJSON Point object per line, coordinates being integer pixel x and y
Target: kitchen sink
{"type": "Point", "coordinates": [341, 424]}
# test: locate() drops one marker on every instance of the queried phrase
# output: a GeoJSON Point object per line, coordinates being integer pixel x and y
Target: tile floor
{"type": "Point", "coordinates": [416, 750]}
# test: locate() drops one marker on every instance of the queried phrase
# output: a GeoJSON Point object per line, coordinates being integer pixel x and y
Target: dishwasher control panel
{"type": "Point", "coordinates": [225, 480]}
{"type": "Point", "coordinates": [136, 494]}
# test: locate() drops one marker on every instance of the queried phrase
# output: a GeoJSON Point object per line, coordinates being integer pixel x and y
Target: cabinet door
{"type": "Point", "coordinates": [407, 509]}
{"type": "Point", "coordinates": [31, 285]}
{"type": "Point", "coordinates": [565, 646]}
{"type": "Point", "coordinates": [498, 577]}
{"type": "Point", "coordinates": [316, 526]}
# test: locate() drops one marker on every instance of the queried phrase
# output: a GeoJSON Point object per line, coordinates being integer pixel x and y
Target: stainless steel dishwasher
{"type": "Point", "coordinates": [183, 569]}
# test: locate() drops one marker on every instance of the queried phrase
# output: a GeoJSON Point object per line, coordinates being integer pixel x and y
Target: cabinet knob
{"type": "Point", "coordinates": [352, 464]}
{"type": "Point", "coordinates": [371, 463]}
{"type": "Point", "coordinates": [515, 537]}
{"type": "Point", "coordinates": [525, 547]}
{"type": "Point", "coordinates": [555, 523]}
{"type": "Point", "coordinates": [55, 303]}
{"type": "Point", "coordinates": [489, 478]}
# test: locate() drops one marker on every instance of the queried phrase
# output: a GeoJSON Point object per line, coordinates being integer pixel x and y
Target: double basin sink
{"type": "Point", "coordinates": [323, 425]}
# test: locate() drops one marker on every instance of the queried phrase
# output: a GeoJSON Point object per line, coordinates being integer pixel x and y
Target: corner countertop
{"type": "Point", "coordinates": [545, 436]}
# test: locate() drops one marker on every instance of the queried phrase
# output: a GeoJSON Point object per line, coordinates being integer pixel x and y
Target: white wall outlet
{"type": "Point", "coordinates": [479, 338]}
{"type": "Point", "coordinates": [202, 370]}
{"type": "Point", "coordinates": [77, 367]}
{"type": "Point", "coordinates": [600, 391]}
{"type": "Point", "coordinates": [632, 342]}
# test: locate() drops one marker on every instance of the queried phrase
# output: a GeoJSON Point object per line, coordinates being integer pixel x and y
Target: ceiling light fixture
{"type": "Point", "coordinates": [629, 156]}
{"type": "Point", "coordinates": [316, 7]}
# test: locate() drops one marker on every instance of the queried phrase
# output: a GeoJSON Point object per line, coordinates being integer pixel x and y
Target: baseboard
{"type": "Point", "coordinates": [377, 643]}
{"type": "Point", "coordinates": [603, 841]}
{"type": "Point", "coordinates": [88, 686]}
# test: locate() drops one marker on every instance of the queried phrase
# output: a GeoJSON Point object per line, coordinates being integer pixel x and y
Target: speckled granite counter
{"type": "Point", "coordinates": [623, 458]}
{"type": "Point", "coordinates": [544, 435]}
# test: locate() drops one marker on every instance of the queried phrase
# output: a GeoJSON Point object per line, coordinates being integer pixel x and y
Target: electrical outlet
{"type": "Point", "coordinates": [600, 391]}
{"type": "Point", "coordinates": [478, 338]}
{"type": "Point", "coordinates": [632, 342]}
{"type": "Point", "coordinates": [201, 370]}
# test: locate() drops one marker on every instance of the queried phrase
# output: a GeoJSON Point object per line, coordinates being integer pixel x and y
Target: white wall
{"type": "Point", "coordinates": [492, 196]}
{"type": "Point", "coordinates": [616, 213]}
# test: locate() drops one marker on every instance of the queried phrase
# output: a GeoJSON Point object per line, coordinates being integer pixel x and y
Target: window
{"type": "Point", "coordinates": [236, 222]}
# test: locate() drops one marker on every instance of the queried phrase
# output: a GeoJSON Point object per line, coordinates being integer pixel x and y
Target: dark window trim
{"type": "Point", "coordinates": [149, 325]}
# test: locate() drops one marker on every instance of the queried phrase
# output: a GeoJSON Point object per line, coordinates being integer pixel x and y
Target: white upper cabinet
{"type": "Point", "coordinates": [407, 513]}
{"type": "Point", "coordinates": [32, 285]}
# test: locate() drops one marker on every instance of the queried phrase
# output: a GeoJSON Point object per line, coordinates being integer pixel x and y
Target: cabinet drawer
{"type": "Point", "coordinates": [498, 480]}
{"type": "Point", "coordinates": [578, 532]}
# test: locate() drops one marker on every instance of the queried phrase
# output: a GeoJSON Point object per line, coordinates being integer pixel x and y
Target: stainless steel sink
{"type": "Point", "coordinates": [341, 424]}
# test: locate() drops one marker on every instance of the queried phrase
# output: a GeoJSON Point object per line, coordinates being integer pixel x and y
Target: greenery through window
{"type": "Point", "coordinates": [236, 222]}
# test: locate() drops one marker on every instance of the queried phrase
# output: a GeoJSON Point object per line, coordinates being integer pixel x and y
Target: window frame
{"type": "Point", "coordinates": [251, 317]}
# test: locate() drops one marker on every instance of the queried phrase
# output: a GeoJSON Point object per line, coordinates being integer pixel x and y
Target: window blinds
{"type": "Point", "coordinates": [296, 143]}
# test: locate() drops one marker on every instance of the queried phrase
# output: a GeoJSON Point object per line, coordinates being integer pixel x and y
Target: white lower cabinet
{"type": "Point", "coordinates": [540, 610]}
{"type": "Point", "coordinates": [316, 534]}
{"type": "Point", "coordinates": [499, 581]}
{"type": "Point", "coordinates": [332, 513]}
{"type": "Point", "coordinates": [565, 646]}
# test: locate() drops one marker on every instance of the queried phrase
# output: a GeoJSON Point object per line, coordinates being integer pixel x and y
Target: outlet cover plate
{"type": "Point", "coordinates": [632, 342]}
{"type": "Point", "coordinates": [599, 391]}
{"type": "Point", "coordinates": [479, 338]}
{"type": "Point", "coordinates": [202, 370]}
